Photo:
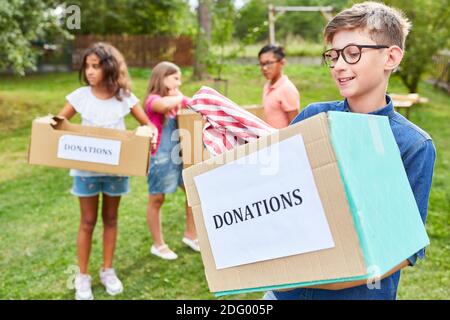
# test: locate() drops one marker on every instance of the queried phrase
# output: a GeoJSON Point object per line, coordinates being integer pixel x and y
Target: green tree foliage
{"type": "Point", "coordinates": [250, 21]}
{"type": "Point", "coordinates": [307, 25]}
{"type": "Point", "coordinates": [162, 17]}
{"type": "Point", "coordinates": [223, 13]}
{"type": "Point", "coordinates": [252, 18]}
{"type": "Point", "coordinates": [430, 33]}
{"type": "Point", "coordinates": [203, 39]}
{"type": "Point", "coordinates": [22, 23]}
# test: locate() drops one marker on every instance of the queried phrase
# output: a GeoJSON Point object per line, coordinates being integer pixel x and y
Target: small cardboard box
{"type": "Point", "coordinates": [74, 146]}
{"type": "Point", "coordinates": [191, 125]}
{"type": "Point", "coordinates": [364, 192]}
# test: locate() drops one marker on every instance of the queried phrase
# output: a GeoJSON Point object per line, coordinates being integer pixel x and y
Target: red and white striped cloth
{"type": "Point", "coordinates": [227, 124]}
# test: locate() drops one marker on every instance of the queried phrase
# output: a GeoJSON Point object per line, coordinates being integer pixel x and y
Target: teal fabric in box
{"type": "Point", "coordinates": [381, 201]}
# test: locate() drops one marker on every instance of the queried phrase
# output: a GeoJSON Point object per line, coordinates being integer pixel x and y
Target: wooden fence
{"type": "Point", "coordinates": [442, 70]}
{"type": "Point", "coordinates": [140, 50]}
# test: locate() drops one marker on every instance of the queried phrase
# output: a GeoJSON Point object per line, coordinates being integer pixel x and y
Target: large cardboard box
{"type": "Point", "coordinates": [364, 192]}
{"type": "Point", "coordinates": [191, 125]}
{"type": "Point", "coordinates": [74, 146]}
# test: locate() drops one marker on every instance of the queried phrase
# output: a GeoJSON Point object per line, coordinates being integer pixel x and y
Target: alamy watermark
{"type": "Point", "coordinates": [72, 272]}
{"type": "Point", "coordinates": [374, 282]}
{"type": "Point", "coordinates": [69, 16]}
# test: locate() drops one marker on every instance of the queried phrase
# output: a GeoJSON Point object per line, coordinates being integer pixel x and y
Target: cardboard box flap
{"type": "Point", "coordinates": [106, 133]}
{"type": "Point", "coordinates": [382, 203]}
{"type": "Point", "coordinates": [343, 261]}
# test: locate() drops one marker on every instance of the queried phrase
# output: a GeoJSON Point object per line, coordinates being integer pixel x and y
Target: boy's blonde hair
{"type": "Point", "coordinates": [385, 25]}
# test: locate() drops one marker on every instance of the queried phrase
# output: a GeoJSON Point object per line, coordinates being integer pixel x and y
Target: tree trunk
{"type": "Point", "coordinates": [411, 81]}
{"type": "Point", "coordinates": [203, 39]}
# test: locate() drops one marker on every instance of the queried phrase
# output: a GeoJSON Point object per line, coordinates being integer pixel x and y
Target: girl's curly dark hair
{"type": "Point", "coordinates": [115, 71]}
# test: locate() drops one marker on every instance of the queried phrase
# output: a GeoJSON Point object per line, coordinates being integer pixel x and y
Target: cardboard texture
{"type": "Point", "coordinates": [43, 150]}
{"type": "Point", "coordinates": [191, 125]}
{"type": "Point", "coordinates": [346, 161]}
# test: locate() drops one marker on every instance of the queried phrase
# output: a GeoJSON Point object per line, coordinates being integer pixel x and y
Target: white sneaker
{"type": "Point", "coordinates": [167, 255]}
{"type": "Point", "coordinates": [83, 289]}
{"type": "Point", "coordinates": [109, 279]}
{"type": "Point", "coordinates": [193, 244]}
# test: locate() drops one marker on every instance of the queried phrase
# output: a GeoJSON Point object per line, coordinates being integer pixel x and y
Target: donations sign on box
{"type": "Point", "coordinates": [244, 227]}
{"type": "Point", "coordinates": [89, 149]}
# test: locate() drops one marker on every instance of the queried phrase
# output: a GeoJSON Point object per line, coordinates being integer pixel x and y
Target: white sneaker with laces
{"type": "Point", "coordinates": [83, 289]}
{"type": "Point", "coordinates": [192, 243]}
{"type": "Point", "coordinates": [164, 254]}
{"type": "Point", "coordinates": [111, 282]}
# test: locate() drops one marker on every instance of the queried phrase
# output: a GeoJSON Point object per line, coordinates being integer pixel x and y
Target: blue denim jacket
{"type": "Point", "coordinates": [418, 155]}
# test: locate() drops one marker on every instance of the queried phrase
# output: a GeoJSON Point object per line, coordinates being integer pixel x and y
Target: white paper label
{"type": "Point", "coordinates": [89, 149]}
{"type": "Point", "coordinates": [253, 217]}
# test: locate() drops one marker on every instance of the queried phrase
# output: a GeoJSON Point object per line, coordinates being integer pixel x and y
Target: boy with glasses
{"type": "Point", "coordinates": [367, 46]}
{"type": "Point", "coordinates": [281, 99]}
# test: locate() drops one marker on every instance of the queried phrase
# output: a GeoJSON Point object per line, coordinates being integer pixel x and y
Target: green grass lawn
{"type": "Point", "coordinates": [39, 218]}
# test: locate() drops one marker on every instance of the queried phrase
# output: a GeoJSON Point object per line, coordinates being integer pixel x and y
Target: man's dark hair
{"type": "Point", "coordinates": [277, 51]}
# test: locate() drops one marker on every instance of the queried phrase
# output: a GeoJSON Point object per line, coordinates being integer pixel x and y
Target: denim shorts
{"type": "Point", "coordinates": [164, 176]}
{"type": "Point", "coordinates": [92, 186]}
{"type": "Point", "coordinates": [165, 166]}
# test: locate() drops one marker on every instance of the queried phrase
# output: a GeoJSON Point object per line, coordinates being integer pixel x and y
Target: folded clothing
{"type": "Point", "coordinates": [227, 125]}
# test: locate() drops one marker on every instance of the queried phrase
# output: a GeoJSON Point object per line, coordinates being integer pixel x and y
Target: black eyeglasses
{"type": "Point", "coordinates": [351, 54]}
{"type": "Point", "coordinates": [267, 64]}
